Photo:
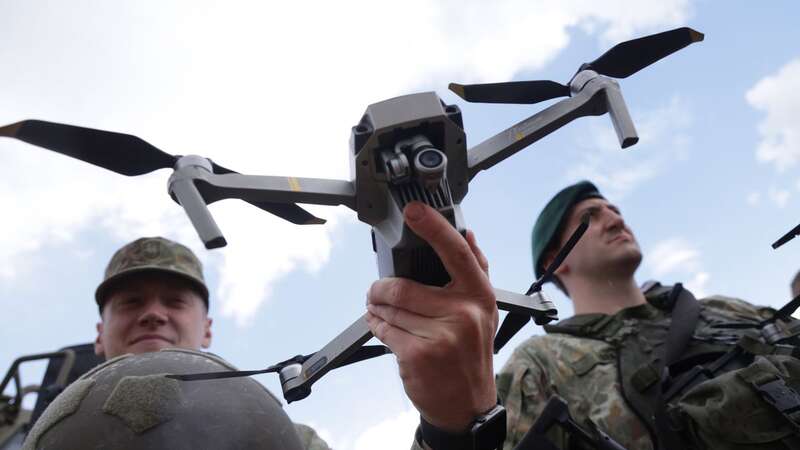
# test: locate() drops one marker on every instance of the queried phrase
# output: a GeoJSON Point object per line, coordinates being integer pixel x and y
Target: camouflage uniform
{"type": "Point", "coordinates": [584, 371]}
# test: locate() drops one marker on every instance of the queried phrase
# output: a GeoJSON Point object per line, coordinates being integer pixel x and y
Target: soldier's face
{"type": "Point", "coordinates": [151, 311]}
{"type": "Point", "coordinates": [607, 247]}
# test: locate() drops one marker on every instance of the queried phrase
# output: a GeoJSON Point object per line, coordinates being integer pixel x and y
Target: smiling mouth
{"type": "Point", "coordinates": [150, 337]}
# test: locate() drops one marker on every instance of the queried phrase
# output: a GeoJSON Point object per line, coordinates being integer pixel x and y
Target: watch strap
{"type": "Point", "coordinates": [487, 432]}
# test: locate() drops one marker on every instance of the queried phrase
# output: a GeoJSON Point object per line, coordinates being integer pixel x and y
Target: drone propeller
{"type": "Point", "coordinates": [514, 321]}
{"type": "Point", "coordinates": [124, 154]}
{"type": "Point", "coordinates": [117, 152]}
{"type": "Point", "coordinates": [629, 57]}
{"type": "Point", "coordinates": [621, 61]}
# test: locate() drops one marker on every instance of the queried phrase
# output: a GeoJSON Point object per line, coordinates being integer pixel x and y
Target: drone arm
{"type": "Point", "coordinates": [620, 117]}
{"type": "Point", "coordinates": [182, 189]}
{"type": "Point", "coordinates": [524, 133]}
{"type": "Point", "coordinates": [334, 354]}
{"type": "Point", "coordinates": [542, 310]}
{"type": "Point", "coordinates": [257, 188]}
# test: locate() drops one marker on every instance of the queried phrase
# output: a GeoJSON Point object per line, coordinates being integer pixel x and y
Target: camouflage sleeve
{"type": "Point", "coordinates": [309, 438]}
{"type": "Point", "coordinates": [523, 388]}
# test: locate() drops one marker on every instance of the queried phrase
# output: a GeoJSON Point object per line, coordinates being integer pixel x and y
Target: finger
{"type": "Point", "coordinates": [473, 245]}
{"type": "Point", "coordinates": [398, 340]}
{"type": "Point", "coordinates": [418, 298]}
{"type": "Point", "coordinates": [451, 247]}
{"type": "Point", "coordinates": [409, 322]}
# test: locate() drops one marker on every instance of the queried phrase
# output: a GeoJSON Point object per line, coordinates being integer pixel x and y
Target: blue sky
{"type": "Point", "coordinates": [274, 90]}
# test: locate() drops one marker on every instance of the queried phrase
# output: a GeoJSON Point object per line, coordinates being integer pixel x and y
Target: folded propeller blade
{"type": "Point", "coordinates": [121, 153]}
{"type": "Point", "coordinates": [510, 326]}
{"type": "Point", "coordinates": [363, 353]}
{"type": "Point", "coordinates": [793, 233]}
{"type": "Point", "coordinates": [629, 57]}
{"type": "Point", "coordinates": [521, 92]}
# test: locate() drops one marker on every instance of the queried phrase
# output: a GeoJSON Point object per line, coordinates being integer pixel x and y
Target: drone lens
{"type": "Point", "coordinates": [430, 159]}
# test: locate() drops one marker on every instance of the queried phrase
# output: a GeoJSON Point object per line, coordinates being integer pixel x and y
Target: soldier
{"type": "Point", "coordinates": [153, 296]}
{"type": "Point", "coordinates": [652, 367]}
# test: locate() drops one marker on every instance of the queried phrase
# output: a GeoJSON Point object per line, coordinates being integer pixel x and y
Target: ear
{"type": "Point", "coordinates": [207, 333]}
{"type": "Point", "coordinates": [98, 341]}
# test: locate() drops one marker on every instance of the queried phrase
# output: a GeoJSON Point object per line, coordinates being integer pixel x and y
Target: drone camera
{"type": "Point", "coordinates": [430, 165]}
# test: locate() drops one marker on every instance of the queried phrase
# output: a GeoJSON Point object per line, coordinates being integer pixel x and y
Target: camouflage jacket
{"type": "Point", "coordinates": [584, 372]}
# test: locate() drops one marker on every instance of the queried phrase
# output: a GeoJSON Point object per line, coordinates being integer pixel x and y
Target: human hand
{"type": "Point", "coordinates": [442, 336]}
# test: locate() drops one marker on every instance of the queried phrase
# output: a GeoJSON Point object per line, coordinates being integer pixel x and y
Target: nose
{"type": "Point", "coordinates": [613, 220]}
{"type": "Point", "coordinates": [153, 315]}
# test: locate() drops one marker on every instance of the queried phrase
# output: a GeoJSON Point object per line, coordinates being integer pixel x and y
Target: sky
{"type": "Point", "coordinates": [273, 88]}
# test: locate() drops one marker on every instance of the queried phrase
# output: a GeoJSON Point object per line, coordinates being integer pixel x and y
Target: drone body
{"type": "Point", "coordinates": [409, 148]}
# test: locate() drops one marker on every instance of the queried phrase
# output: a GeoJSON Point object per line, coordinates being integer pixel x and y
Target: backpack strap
{"type": "Point", "coordinates": [642, 384]}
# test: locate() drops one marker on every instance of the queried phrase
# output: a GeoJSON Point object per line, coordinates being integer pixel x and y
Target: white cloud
{"type": "Point", "coordinates": [394, 433]}
{"type": "Point", "coordinates": [778, 196]}
{"type": "Point", "coordinates": [259, 88]}
{"type": "Point", "coordinates": [662, 141]}
{"type": "Point", "coordinates": [778, 95]}
{"type": "Point", "coordinates": [391, 433]}
{"type": "Point", "coordinates": [676, 259]}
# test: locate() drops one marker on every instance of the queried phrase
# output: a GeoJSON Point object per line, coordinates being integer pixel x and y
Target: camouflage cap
{"type": "Point", "coordinates": [152, 254]}
{"type": "Point", "coordinates": [549, 221]}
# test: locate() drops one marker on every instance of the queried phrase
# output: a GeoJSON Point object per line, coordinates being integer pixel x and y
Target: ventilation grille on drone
{"type": "Point", "coordinates": [437, 199]}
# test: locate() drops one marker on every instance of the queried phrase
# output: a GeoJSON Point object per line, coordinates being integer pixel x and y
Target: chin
{"type": "Point", "coordinates": [632, 259]}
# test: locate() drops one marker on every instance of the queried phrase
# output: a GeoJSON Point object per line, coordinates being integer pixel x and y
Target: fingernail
{"type": "Point", "coordinates": [414, 211]}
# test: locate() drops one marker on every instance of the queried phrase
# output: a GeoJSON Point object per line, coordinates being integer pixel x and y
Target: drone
{"type": "Point", "coordinates": [408, 148]}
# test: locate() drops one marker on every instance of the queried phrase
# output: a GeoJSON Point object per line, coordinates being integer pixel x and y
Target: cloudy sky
{"type": "Point", "coordinates": [274, 90]}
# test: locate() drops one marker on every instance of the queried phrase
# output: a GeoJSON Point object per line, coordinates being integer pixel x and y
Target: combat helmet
{"type": "Point", "coordinates": [128, 403]}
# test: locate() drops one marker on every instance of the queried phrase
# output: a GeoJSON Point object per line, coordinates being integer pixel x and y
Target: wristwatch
{"type": "Point", "coordinates": [487, 432]}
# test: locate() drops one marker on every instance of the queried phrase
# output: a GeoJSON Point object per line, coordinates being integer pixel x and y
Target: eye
{"type": "Point", "coordinates": [592, 211]}
{"type": "Point", "coordinates": [128, 301]}
{"type": "Point", "coordinates": [177, 301]}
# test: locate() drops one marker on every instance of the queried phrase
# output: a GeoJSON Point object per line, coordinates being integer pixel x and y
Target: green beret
{"type": "Point", "coordinates": [549, 221]}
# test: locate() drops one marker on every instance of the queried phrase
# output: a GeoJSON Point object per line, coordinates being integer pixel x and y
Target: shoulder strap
{"type": "Point", "coordinates": [685, 313]}
{"type": "Point", "coordinates": [642, 384]}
